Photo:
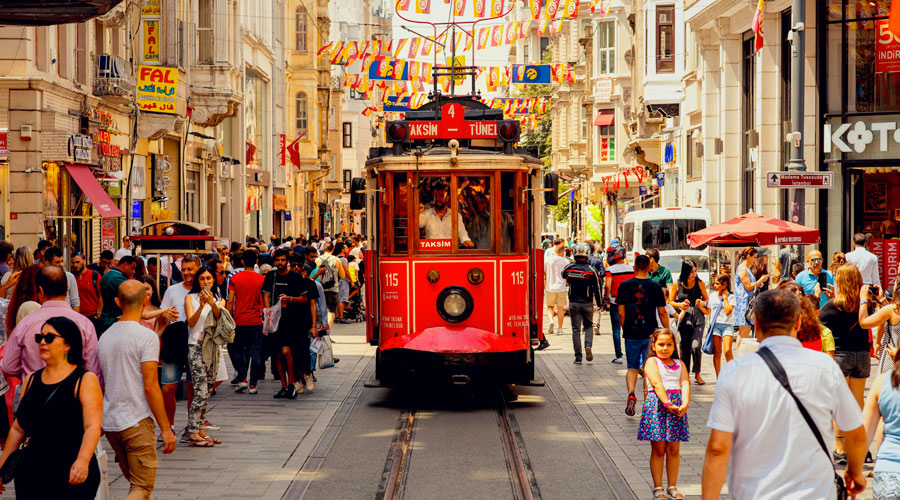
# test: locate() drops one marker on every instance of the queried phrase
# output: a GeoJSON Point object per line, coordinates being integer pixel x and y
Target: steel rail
{"type": "Point", "coordinates": [396, 466]}
{"type": "Point", "coordinates": [521, 474]}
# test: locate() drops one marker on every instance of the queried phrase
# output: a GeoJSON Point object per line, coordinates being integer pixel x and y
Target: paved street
{"type": "Point", "coordinates": [275, 449]}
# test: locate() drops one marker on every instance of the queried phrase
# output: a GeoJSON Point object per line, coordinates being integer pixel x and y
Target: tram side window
{"type": "Point", "coordinates": [475, 210]}
{"type": "Point", "coordinates": [508, 212]}
{"type": "Point", "coordinates": [400, 218]}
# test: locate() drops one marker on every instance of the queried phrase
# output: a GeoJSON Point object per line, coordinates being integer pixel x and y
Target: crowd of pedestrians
{"type": "Point", "coordinates": [102, 348]}
{"type": "Point", "coordinates": [806, 335]}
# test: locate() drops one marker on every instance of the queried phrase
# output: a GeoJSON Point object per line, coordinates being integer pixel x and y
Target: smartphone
{"type": "Point", "coordinates": [873, 290]}
{"type": "Point", "coordinates": [823, 279]}
{"type": "Point", "coordinates": [206, 289]}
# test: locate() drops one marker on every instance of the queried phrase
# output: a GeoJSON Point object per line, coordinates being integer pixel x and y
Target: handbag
{"type": "Point", "coordinates": [272, 314]}
{"type": "Point", "coordinates": [326, 354]}
{"type": "Point", "coordinates": [748, 314]}
{"type": "Point", "coordinates": [781, 376]}
{"type": "Point", "coordinates": [708, 347]}
{"type": "Point", "coordinates": [8, 470]}
{"type": "Point", "coordinates": [173, 343]}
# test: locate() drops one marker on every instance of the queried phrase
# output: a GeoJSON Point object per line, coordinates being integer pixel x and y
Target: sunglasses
{"type": "Point", "coordinates": [220, 272]}
{"type": "Point", "coordinates": [815, 260]}
{"type": "Point", "coordinates": [46, 337]}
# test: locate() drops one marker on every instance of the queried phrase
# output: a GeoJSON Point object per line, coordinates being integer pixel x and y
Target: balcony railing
{"type": "Point", "coordinates": [113, 78]}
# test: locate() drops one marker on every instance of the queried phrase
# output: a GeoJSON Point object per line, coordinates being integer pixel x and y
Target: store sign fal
{"type": "Point", "coordinates": [856, 136]}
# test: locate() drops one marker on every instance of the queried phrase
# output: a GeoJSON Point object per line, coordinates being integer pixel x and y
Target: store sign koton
{"type": "Point", "coordinates": [859, 135]}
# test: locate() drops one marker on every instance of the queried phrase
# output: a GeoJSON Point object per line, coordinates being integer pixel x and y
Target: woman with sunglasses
{"type": "Point", "coordinates": [60, 413]}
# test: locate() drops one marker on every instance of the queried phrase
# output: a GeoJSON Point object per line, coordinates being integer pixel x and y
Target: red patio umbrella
{"type": "Point", "coordinates": [754, 229]}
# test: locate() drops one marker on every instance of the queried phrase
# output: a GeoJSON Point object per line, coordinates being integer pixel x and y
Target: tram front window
{"type": "Point", "coordinates": [435, 216]}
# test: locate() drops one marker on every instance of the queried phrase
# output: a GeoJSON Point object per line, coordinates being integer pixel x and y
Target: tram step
{"type": "Point", "coordinates": [373, 382]}
{"type": "Point", "coordinates": [535, 383]}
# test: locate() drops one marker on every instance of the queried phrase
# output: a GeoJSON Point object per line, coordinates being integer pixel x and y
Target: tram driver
{"type": "Point", "coordinates": [434, 218]}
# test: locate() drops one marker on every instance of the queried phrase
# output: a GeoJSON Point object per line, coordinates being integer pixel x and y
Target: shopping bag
{"type": "Point", "coordinates": [103, 464]}
{"type": "Point", "coordinates": [272, 317]}
{"type": "Point", "coordinates": [746, 346]}
{"type": "Point", "coordinates": [326, 355]}
{"type": "Point", "coordinates": [708, 347]}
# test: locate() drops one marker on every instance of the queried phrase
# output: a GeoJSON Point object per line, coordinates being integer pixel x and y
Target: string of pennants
{"type": "Point", "coordinates": [493, 8]}
{"type": "Point", "coordinates": [613, 182]}
{"type": "Point", "coordinates": [345, 52]}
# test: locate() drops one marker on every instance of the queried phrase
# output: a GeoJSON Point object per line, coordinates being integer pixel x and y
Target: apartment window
{"type": "Point", "coordinates": [332, 118]}
{"type": "Point", "coordinates": [191, 198]}
{"type": "Point", "coordinates": [301, 112]}
{"type": "Point", "coordinates": [584, 122]}
{"type": "Point", "coordinates": [545, 42]}
{"type": "Point", "coordinates": [81, 61]}
{"type": "Point", "coordinates": [605, 43]}
{"type": "Point", "coordinates": [301, 29]}
{"type": "Point", "coordinates": [665, 39]}
{"type": "Point", "coordinates": [525, 53]}
{"type": "Point", "coordinates": [205, 32]}
{"type": "Point", "coordinates": [347, 135]}
{"type": "Point", "coordinates": [605, 123]}
{"type": "Point", "coordinates": [347, 175]}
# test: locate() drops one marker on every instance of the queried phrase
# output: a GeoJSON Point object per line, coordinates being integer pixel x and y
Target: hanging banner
{"type": "Point", "coordinates": [151, 8]}
{"type": "Point", "coordinates": [157, 89]}
{"type": "Point", "coordinates": [151, 41]}
{"type": "Point", "coordinates": [534, 73]}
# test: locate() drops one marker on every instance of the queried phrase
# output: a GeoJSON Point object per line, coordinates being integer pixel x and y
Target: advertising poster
{"type": "Point", "coordinates": [157, 89]}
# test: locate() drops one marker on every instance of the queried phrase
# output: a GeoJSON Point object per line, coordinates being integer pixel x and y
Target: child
{"type": "Point", "coordinates": [664, 416]}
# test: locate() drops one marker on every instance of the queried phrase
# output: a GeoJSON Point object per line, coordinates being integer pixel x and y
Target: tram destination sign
{"type": "Point", "coordinates": [811, 180]}
{"type": "Point", "coordinates": [453, 125]}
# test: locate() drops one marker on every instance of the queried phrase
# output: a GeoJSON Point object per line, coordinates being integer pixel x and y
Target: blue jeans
{"type": "Point", "coordinates": [616, 328]}
{"type": "Point", "coordinates": [636, 351]}
{"type": "Point", "coordinates": [247, 346]}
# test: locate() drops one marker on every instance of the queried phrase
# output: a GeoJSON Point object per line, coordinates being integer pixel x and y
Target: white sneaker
{"type": "Point", "coordinates": [241, 387]}
{"type": "Point", "coordinates": [253, 389]}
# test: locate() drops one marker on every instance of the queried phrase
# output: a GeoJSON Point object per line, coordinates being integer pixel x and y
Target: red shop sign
{"type": "Point", "coordinates": [3, 146]}
{"type": "Point", "coordinates": [887, 50]}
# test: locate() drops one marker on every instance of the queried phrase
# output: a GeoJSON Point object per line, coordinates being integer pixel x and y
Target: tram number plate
{"type": "Point", "coordinates": [453, 125]}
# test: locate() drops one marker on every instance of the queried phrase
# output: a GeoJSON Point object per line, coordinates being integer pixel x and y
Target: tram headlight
{"type": "Point", "coordinates": [455, 304]}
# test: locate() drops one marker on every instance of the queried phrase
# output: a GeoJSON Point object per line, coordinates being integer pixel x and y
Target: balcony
{"type": "Point", "coordinates": [333, 187]}
{"type": "Point", "coordinates": [113, 80]}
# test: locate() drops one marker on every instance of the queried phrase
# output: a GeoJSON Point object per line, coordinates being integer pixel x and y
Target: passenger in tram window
{"type": "Point", "coordinates": [475, 209]}
{"type": "Point", "coordinates": [433, 217]}
{"type": "Point", "coordinates": [507, 212]}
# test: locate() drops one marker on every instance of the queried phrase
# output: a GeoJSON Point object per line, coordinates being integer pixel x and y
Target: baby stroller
{"type": "Point", "coordinates": [355, 310]}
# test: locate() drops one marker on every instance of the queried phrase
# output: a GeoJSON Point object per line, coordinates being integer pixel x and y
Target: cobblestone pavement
{"type": "Point", "coordinates": [267, 441]}
{"type": "Point", "coordinates": [597, 389]}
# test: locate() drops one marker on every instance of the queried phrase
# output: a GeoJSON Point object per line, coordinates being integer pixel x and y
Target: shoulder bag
{"type": "Point", "coordinates": [708, 347]}
{"type": "Point", "coordinates": [781, 376]}
{"type": "Point", "coordinates": [8, 470]}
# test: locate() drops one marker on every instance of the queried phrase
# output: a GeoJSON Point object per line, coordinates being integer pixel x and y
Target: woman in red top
{"type": "Point", "coordinates": [810, 333]}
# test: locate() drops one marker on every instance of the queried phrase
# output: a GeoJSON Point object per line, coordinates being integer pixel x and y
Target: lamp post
{"type": "Point", "coordinates": [797, 38]}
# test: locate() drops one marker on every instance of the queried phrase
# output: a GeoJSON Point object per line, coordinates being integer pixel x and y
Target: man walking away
{"type": "Point", "coordinates": [245, 304]}
{"type": "Point", "coordinates": [330, 271]}
{"type": "Point", "coordinates": [757, 424]}
{"type": "Point", "coordinates": [555, 286]}
{"type": "Point", "coordinates": [129, 356]}
{"type": "Point", "coordinates": [88, 283]}
{"type": "Point", "coordinates": [617, 273]}
{"type": "Point", "coordinates": [53, 256]}
{"type": "Point", "coordinates": [584, 291]}
{"type": "Point", "coordinates": [109, 290]}
{"type": "Point", "coordinates": [865, 260]}
{"type": "Point", "coordinates": [639, 302]}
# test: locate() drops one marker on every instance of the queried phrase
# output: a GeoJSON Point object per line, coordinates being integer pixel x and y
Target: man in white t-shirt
{"type": "Point", "coordinates": [129, 354]}
{"type": "Point", "coordinates": [757, 424]}
{"type": "Point", "coordinates": [555, 287]}
{"type": "Point", "coordinates": [126, 249]}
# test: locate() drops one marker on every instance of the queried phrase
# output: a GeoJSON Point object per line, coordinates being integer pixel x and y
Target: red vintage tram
{"type": "Point", "coordinates": [454, 271]}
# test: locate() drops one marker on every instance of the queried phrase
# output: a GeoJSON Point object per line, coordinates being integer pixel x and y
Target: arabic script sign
{"type": "Point", "coordinates": [157, 89]}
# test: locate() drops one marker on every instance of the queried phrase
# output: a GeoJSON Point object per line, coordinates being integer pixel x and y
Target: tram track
{"type": "Point", "coordinates": [522, 479]}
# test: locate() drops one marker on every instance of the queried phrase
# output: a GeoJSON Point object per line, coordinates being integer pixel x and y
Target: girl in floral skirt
{"type": "Point", "coordinates": [664, 417]}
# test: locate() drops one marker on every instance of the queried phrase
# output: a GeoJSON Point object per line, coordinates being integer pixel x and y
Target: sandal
{"type": "Point", "coordinates": [202, 443]}
{"type": "Point", "coordinates": [212, 440]}
{"type": "Point", "coordinates": [676, 495]}
{"type": "Point", "coordinates": [659, 493]}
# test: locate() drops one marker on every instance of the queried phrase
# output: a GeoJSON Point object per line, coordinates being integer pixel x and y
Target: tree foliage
{"type": "Point", "coordinates": [561, 210]}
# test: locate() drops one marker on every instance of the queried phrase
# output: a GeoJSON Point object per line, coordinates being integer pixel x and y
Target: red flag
{"type": "Point", "coordinates": [757, 25]}
{"type": "Point", "coordinates": [552, 8]}
{"type": "Point", "coordinates": [496, 36]}
{"type": "Point", "coordinates": [496, 8]}
{"type": "Point", "coordinates": [294, 151]}
{"type": "Point", "coordinates": [403, 5]}
{"type": "Point", "coordinates": [894, 19]}
{"type": "Point", "coordinates": [571, 8]}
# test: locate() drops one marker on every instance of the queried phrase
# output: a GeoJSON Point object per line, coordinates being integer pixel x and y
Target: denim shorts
{"type": "Point", "coordinates": [172, 372]}
{"type": "Point", "coordinates": [723, 329]}
{"type": "Point", "coordinates": [854, 364]}
{"type": "Point", "coordinates": [636, 353]}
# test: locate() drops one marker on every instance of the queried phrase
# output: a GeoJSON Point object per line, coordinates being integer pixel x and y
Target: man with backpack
{"type": "Point", "coordinates": [329, 271]}
{"type": "Point", "coordinates": [88, 282]}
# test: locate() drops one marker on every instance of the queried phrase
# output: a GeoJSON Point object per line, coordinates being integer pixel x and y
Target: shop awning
{"type": "Point", "coordinates": [605, 117]}
{"type": "Point", "coordinates": [93, 190]}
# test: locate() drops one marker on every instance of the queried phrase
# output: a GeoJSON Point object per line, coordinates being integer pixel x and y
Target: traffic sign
{"type": "Point", "coordinates": [811, 180]}
{"type": "Point", "coordinates": [453, 125]}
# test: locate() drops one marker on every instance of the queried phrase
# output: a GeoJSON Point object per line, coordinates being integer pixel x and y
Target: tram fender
{"type": "Point", "coordinates": [449, 339]}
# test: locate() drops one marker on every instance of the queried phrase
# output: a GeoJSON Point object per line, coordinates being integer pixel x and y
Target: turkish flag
{"type": "Point", "coordinates": [294, 151]}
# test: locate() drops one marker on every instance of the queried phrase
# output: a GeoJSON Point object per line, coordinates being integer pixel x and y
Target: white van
{"type": "Point", "coordinates": [662, 228]}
